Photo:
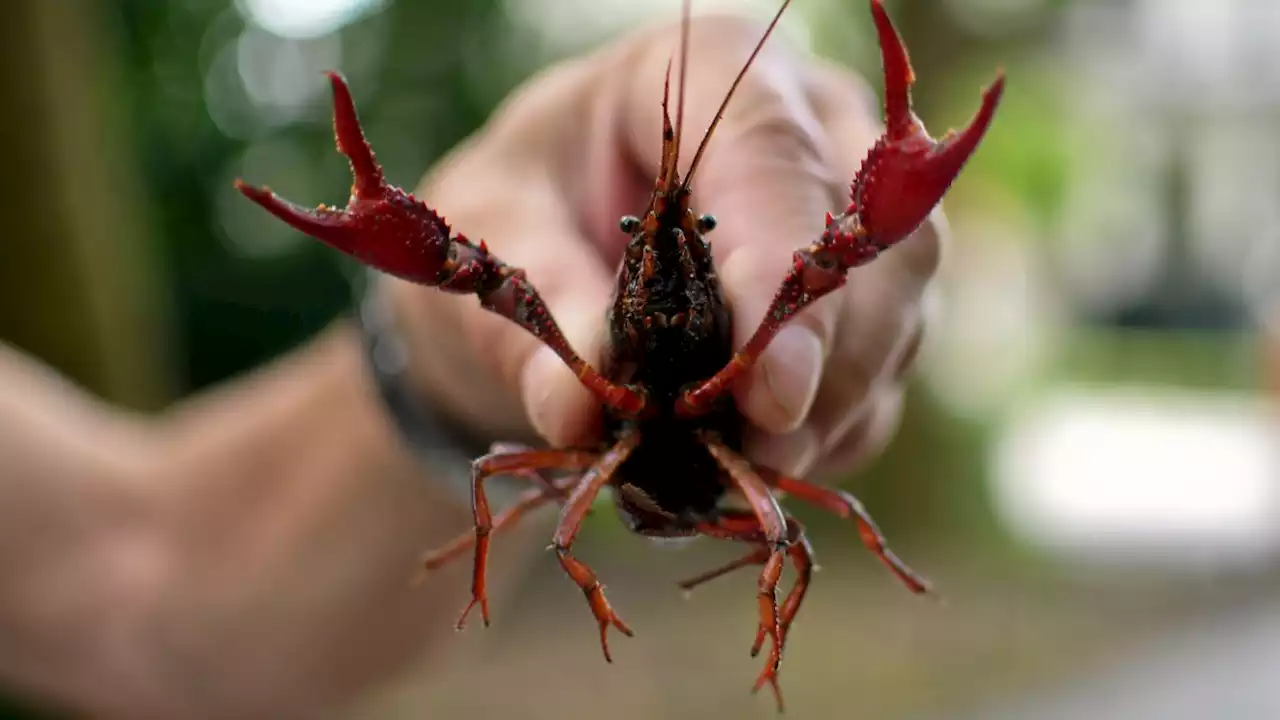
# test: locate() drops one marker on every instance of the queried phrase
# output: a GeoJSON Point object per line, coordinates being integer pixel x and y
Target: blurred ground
{"type": "Point", "coordinates": [862, 647]}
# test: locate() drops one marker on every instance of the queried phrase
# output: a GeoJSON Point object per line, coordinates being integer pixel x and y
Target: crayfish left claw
{"type": "Point", "coordinates": [333, 227]}
{"type": "Point", "coordinates": [907, 172]}
{"type": "Point", "coordinates": [900, 121]}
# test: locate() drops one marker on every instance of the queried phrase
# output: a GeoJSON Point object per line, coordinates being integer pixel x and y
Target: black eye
{"type": "Point", "coordinates": [629, 224]}
{"type": "Point", "coordinates": [706, 223]}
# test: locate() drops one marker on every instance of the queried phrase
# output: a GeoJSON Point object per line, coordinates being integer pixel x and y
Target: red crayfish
{"type": "Point", "coordinates": [672, 453]}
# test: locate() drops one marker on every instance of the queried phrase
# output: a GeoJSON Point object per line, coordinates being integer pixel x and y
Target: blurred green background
{"type": "Point", "coordinates": [1084, 466]}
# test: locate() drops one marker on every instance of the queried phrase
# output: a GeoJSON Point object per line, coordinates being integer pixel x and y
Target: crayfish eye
{"type": "Point", "coordinates": [706, 223]}
{"type": "Point", "coordinates": [629, 224]}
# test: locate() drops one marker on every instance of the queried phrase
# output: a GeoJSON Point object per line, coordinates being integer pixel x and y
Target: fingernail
{"type": "Point", "coordinates": [791, 454]}
{"type": "Point", "coordinates": [791, 368]}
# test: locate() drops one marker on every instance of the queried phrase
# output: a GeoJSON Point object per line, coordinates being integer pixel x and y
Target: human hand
{"type": "Point", "coordinates": [545, 182]}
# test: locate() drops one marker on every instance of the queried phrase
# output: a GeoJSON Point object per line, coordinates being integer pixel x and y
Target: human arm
{"type": "Point", "coordinates": [248, 551]}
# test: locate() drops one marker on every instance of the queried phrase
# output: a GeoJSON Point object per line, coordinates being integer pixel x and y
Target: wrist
{"type": "Point", "coordinates": [439, 440]}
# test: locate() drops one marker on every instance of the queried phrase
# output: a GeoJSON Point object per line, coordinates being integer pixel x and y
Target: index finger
{"type": "Point", "coordinates": [504, 187]}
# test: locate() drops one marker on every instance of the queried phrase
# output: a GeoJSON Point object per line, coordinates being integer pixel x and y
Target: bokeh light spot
{"type": "Point", "coordinates": [306, 18]}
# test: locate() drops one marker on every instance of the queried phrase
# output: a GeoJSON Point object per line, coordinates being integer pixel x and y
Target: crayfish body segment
{"type": "Point", "coordinates": [674, 434]}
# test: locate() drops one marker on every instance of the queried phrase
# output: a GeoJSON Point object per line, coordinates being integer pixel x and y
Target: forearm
{"type": "Point", "coordinates": [298, 520]}
{"type": "Point", "coordinates": [74, 528]}
{"type": "Point", "coordinates": [261, 560]}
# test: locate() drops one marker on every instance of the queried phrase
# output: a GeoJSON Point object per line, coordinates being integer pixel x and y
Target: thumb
{"type": "Point", "coordinates": [770, 187]}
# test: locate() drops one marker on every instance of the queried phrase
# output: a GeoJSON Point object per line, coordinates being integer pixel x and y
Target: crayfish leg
{"type": "Point", "coordinates": [744, 527]}
{"type": "Point", "coordinates": [773, 526]}
{"type": "Point", "coordinates": [845, 506]}
{"type": "Point", "coordinates": [571, 516]}
{"type": "Point", "coordinates": [523, 463]}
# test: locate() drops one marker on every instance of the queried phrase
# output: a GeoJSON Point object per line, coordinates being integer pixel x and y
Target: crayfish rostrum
{"type": "Point", "coordinates": [672, 448]}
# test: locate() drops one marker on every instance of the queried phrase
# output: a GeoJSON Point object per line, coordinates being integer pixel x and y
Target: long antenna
{"type": "Point", "coordinates": [686, 19]}
{"type": "Point", "coordinates": [732, 89]}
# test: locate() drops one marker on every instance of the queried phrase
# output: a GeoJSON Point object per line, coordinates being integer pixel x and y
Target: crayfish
{"type": "Point", "coordinates": [672, 453]}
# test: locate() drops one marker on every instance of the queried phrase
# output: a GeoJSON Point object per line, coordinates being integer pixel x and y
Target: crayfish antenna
{"type": "Point", "coordinates": [670, 146]}
{"type": "Point", "coordinates": [672, 174]}
{"type": "Point", "coordinates": [669, 171]}
{"type": "Point", "coordinates": [724, 104]}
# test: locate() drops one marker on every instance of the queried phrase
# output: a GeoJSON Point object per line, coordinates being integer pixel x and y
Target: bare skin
{"type": "Point", "coordinates": [247, 553]}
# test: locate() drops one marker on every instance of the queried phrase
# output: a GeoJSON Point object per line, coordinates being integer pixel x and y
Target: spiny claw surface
{"type": "Point", "coordinates": [907, 172]}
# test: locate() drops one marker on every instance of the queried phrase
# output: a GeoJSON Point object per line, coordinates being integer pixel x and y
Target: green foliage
{"type": "Point", "coordinates": [419, 92]}
{"type": "Point", "coordinates": [1031, 151]}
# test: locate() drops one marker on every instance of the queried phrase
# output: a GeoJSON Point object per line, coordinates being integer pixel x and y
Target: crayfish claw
{"type": "Point", "coordinates": [332, 227]}
{"type": "Point", "coordinates": [907, 172]}
{"type": "Point", "coordinates": [955, 148]}
{"type": "Point", "coordinates": [351, 141]}
{"type": "Point", "coordinates": [900, 120]}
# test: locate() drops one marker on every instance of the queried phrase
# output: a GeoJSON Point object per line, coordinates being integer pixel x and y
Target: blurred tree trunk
{"type": "Point", "coordinates": [78, 281]}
